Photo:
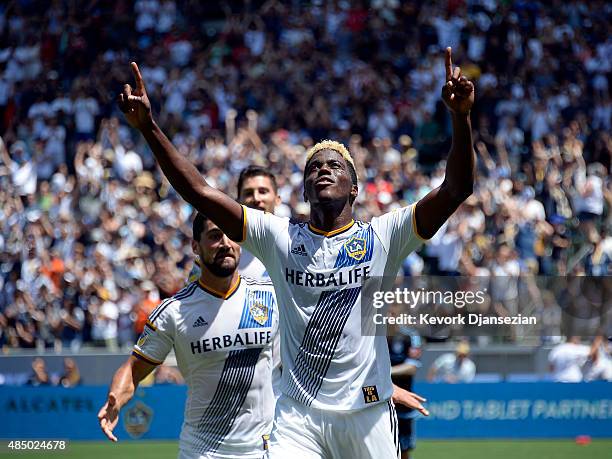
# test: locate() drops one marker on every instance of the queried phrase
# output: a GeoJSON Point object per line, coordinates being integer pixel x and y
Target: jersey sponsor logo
{"type": "Point", "coordinates": [259, 312]}
{"type": "Point", "coordinates": [299, 250]}
{"type": "Point", "coordinates": [137, 419]}
{"type": "Point", "coordinates": [370, 394]}
{"type": "Point", "coordinates": [218, 343]}
{"type": "Point", "coordinates": [354, 276]}
{"type": "Point", "coordinates": [200, 322]}
{"type": "Point", "coordinates": [356, 248]}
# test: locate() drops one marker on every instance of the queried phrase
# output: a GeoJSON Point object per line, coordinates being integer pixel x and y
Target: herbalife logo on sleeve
{"type": "Point", "coordinates": [299, 250]}
{"type": "Point", "coordinates": [200, 322]}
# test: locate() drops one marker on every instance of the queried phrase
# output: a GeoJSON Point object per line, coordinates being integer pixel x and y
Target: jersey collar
{"type": "Point", "coordinates": [218, 294]}
{"type": "Point", "coordinates": [333, 232]}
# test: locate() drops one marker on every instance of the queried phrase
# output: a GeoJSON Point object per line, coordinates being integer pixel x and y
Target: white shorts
{"type": "Point", "coordinates": [301, 432]}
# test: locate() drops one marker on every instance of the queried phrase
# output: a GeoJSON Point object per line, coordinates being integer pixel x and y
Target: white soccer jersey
{"type": "Point", "coordinates": [319, 279]}
{"type": "Point", "coordinates": [251, 266]}
{"type": "Point", "coordinates": [223, 347]}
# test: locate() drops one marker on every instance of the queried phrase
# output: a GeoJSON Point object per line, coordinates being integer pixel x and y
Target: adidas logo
{"type": "Point", "coordinates": [200, 322]}
{"type": "Point", "coordinates": [299, 250]}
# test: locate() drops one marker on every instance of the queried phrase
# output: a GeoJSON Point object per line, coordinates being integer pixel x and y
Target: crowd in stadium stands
{"type": "Point", "coordinates": [70, 375]}
{"type": "Point", "coordinates": [92, 236]}
{"type": "Point", "coordinates": [41, 376]}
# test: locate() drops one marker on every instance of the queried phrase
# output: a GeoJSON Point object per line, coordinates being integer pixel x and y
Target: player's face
{"type": "Point", "coordinates": [258, 192]}
{"type": "Point", "coordinates": [327, 178]}
{"type": "Point", "coordinates": [217, 252]}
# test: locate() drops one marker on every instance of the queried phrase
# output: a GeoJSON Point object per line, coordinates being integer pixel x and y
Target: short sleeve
{"type": "Point", "coordinates": [398, 231]}
{"type": "Point", "coordinates": [157, 338]}
{"type": "Point", "coordinates": [260, 230]}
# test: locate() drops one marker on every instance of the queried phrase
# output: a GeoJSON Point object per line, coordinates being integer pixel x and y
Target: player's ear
{"type": "Point", "coordinates": [194, 247]}
{"type": "Point", "coordinates": [354, 193]}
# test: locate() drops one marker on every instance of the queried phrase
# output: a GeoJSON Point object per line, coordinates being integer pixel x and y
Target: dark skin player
{"type": "Point", "coordinates": [328, 185]}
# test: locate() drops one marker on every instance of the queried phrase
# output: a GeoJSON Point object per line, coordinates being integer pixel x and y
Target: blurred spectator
{"type": "Point", "coordinates": [104, 323]}
{"type": "Point", "coordinates": [73, 320]}
{"type": "Point", "coordinates": [567, 359]}
{"type": "Point", "coordinates": [39, 376]}
{"type": "Point", "coordinates": [149, 301]}
{"type": "Point", "coordinates": [454, 367]}
{"type": "Point", "coordinates": [599, 365]}
{"type": "Point", "coordinates": [71, 376]}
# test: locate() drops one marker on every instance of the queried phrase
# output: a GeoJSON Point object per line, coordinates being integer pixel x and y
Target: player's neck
{"type": "Point", "coordinates": [221, 286]}
{"type": "Point", "coordinates": [327, 218]}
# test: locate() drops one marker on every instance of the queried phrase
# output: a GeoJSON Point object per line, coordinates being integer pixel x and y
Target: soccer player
{"type": "Point", "coordinates": [336, 382]}
{"type": "Point", "coordinates": [221, 328]}
{"type": "Point", "coordinates": [257, 189]}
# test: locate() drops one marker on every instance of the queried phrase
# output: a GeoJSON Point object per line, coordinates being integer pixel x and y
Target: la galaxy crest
{"type": "Point", "coordinates": [259, 312]}
{"type": "Point", "coordinates": [137, 419]}
{"type": "Point", "coordinates": [356, 248]}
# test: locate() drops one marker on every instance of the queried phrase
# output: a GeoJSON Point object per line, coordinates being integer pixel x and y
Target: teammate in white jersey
{"type": "Point", "coordinates": [221, 328]}
{"type": "Point", "coordinates": [257, 189]}
{"type": "Point", "coordinates": [336, 382]}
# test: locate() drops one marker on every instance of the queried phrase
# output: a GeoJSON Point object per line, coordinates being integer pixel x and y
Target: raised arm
{"type": "Point", "coordinates": [122, 389]}
{"type": "Point", "coordinates": [439, 204]}
{"type": "Point", "coordinates": [181, 173]}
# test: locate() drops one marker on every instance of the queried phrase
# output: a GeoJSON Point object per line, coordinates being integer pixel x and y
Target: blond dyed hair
{"type": "Point", "coordinates": [330, 145]}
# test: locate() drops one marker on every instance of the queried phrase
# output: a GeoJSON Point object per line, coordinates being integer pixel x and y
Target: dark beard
{"type": "Point", "coordinates": [218, 270]}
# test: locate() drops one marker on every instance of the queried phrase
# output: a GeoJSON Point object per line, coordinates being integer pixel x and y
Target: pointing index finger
{"type": "Point", "coordinates": [138, 77]}
{"type": "Point", "coordinates": [448, 63]}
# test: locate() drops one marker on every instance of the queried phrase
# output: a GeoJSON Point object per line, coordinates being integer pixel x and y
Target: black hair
{"type": "Point", "coordinates": [199, 222]}
{"type": "Point", "coordinates": [256, 171]}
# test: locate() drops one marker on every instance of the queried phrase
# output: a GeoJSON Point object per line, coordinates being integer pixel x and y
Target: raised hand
{"type": "Point", "coordinates": [135, 104]}
{"type": "Point", "coordinates": [458, 92]}
{"type": "Point", "coordinates": [108, 417]}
